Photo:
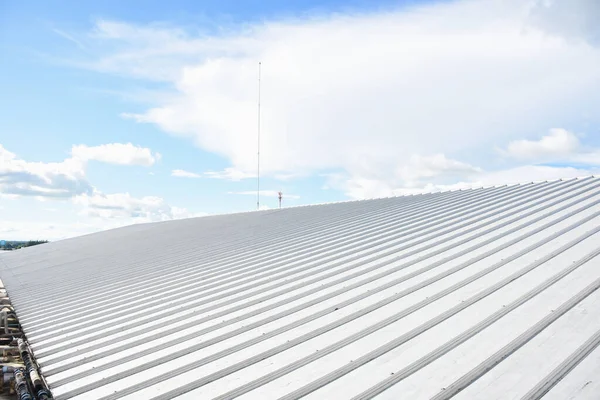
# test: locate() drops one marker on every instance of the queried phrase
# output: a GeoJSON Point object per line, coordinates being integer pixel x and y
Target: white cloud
{"type": "Point", "coordinates": [391, 100]}
{"type": "Point", "coordinates": [69, 37]}
{"type": "Point", "coordinates": [435, 166]}
{"type": "Point", "coordinates": [357, 187]}
{"type": "Point", "coordinates": [46, 180]}
{"type": "Point", "coordinates": [557, 145]}
{"type": "Point", "coordinates": [116, 153]}
{"type": "Point", "coordinates": [130, 209]}
{"type": "Point", "coordinates": [230, 174]}
{"type": "Point", "coordinates": [590, 157]}
{"type": "Point", "coordinates": [362, 92]}
{"type": "Point", "coordinates": [530, 173]}
{"type": "Point", "coordinates": [377, 180]}
{"type": "Point", "coordinates": [184, 174]}
{"type": "Point", "coordinates": [267, 193]}
{"type": "Point", "coordinates": [67, 178]}
{"type": "Point", "coordinates": [364, 188]}
{"type": "Point", "coordinates": [181, 213]}
{"type": "Point", "coordinates": [574, 19]}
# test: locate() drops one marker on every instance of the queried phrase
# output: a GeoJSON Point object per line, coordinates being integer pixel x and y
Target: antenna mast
{"type": "Point", "coordinates": [258, 147]}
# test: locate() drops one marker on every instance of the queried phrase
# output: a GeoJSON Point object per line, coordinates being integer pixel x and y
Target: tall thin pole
{"type": "Point", "coordinates": [258, 148]}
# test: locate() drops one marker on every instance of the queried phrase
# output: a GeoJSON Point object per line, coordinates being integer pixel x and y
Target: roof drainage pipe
{"type": "Point", "coordinates": [4, 319]}
{"type": "Point", "coordinates": [35, 380]}
{"type": "Point", "coordinates": [21, 385]}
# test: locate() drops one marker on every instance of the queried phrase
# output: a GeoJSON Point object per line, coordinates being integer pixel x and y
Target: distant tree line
{"type": "Point", "coordinates": [14, 245]}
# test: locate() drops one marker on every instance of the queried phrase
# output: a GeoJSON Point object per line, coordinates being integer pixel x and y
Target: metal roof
{"type": "Point", "coordinates": [486, 293]}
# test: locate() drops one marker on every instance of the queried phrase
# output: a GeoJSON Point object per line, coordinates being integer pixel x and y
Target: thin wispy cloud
{"type": "Point", "coordinates": [229, 174]}
{"type": "Point", "coordinates": [70, 38]}
{"type": "Point", "coordinates": [266, 193]}
{"type": "Point", "coordinates": [180, 173]}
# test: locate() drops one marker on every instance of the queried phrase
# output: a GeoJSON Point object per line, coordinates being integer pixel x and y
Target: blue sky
{"type": "Point", "coordinates": [360, 99]}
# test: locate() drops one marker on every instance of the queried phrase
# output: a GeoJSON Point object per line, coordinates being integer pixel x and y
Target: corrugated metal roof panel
{"type": "Point", "coordinates": [474, 294]}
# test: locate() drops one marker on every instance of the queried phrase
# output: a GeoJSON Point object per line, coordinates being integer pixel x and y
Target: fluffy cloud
{"type": "Point", "coordinates": [358, 187]}
{"type": "Point", "coordinates": [415, 174]}
{"type": "Point", "coordinates": [390, 100]}
{"type": "Point", "coordinates": [557, 145]}
{"type": "Point", "coordinates": [65, 179]}
{"type": "Point", "coordinates": [435, 166]}
{"type": "Point", "coordinates": [130, 209]}
{"type": "Point", "coordinates": [116, 153]}
{"type": "Point", "coordinates": [46, 180]}
{"type": "Point", "coordinates": [360, 92]}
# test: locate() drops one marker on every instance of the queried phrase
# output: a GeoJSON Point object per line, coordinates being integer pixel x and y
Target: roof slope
{"type": "Point", "coordinates": [477, 294]}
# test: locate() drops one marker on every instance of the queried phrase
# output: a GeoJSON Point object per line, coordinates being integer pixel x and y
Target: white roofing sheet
{"type": "Point", "coordinates": [485, 294]}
